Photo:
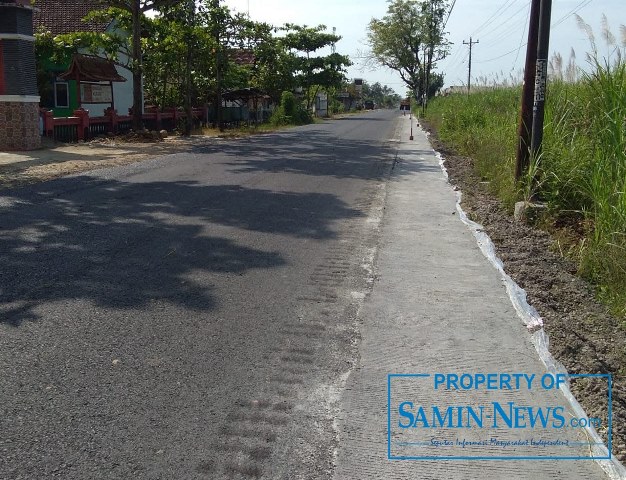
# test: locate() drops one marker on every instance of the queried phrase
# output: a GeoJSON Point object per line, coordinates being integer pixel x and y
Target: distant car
{"type": "Point", "coordinates": [369, 105]}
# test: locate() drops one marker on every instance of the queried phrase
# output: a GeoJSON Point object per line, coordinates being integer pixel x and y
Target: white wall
{"type": "Point", "coordinates": [122, 91]}
{"type": "Point", "coordinates": [122, 95]}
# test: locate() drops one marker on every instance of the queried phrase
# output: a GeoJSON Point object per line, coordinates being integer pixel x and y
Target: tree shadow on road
{"type": "Point", "coordinates": [123, 245]}
{"type": "Point", "coordinates": [315, 151]}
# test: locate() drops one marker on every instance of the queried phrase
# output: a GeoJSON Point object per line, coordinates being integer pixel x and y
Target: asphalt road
{"type": "Point", "coordinates": [191, 316]}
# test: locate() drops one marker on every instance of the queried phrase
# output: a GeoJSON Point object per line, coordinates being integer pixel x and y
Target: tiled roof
{"type": "Point", "coordinates": [89, 68]}
{"type": "Point", "coordinates": [242, 57]}
{"type": "Point", "coordinates": [65, 16]}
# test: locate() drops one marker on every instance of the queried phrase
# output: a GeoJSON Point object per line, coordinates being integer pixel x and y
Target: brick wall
{"type": "Point", "coordinates": [19, 126]}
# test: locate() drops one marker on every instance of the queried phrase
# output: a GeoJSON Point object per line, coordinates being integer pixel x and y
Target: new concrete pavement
{"type": "Point", "coordinates": [439, 307]}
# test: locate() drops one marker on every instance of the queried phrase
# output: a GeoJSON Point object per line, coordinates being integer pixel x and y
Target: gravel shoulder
{"type": "Point", "coordinates": [584, 337]}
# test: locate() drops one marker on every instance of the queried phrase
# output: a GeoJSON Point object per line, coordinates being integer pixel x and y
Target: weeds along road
{"type": "Point", "coordinates": [191, 316]}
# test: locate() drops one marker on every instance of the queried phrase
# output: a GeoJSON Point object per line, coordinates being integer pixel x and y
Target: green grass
{"type": "Point", "coordinates": [581, 173]}
{"type": "Point", "coordinates": [482, 126]}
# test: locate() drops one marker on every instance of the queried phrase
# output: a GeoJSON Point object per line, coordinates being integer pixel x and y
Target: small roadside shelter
{"type": "Point", "coordinates": [60, 95]}
{"type": "Point", "coordinates": [94, 77]}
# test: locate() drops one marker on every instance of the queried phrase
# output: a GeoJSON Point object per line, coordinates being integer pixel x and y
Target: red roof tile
{"type": "Point", "coordinates": [65, 16]}
{"type": "Point", "coordinates": [242, 57]}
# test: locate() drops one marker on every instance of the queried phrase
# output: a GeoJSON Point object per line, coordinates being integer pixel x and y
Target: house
{"type": "Point", "coordinates": [91, 83]}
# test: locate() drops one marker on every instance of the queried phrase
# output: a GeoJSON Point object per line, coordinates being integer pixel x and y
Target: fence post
{"type": "Point", "coordinates": [159, 122]}
{"type": "Point", "coordinates": [48, 123]}
{"type": "Point", "coordinates": [113, 114]}
{"type": "Point", "coordinates": [83, 124]}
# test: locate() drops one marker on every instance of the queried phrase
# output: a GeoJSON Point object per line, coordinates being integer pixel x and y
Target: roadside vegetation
{"type": "Point", "coordinates": [581, 173]}
{"type": "Point", "coordinates": [290, 112]}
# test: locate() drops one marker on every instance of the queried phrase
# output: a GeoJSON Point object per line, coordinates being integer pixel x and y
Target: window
{"type": "Point", "coordinates": [61, 95]}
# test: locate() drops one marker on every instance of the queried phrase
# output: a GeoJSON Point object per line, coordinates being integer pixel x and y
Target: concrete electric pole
{"type": "Point", "coordinates": [541, 76]}
{"type": "Point", "coordinates": [526, 116]}
{"type": "Point", "coordinates": [535, 81]}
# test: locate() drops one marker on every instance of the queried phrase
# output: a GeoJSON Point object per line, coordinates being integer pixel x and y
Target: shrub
{"type": "Point", "coordinates": [288, 103]}
{"type": "Point", "coordinates": [290, 112]}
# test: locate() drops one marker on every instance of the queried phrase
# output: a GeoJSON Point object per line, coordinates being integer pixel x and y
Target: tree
{"type": "Point", "coordinates": [130, 16]}
{"type": "Point", "coordinates": [312, 72]}
{"type": "Point", "coordinates": [410, 39]}
{"type": "Point", "coordinates": [137, 10]}
{"type": "Point", "coordinates": [179, 29]}
{"type": "Point", "coordinates": [381, 95]}
{"type": "Point", "coordinates": [272, 70]}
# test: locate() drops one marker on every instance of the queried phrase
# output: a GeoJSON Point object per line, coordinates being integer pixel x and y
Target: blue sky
{"type": "Point", "coordinates": [499, 25]}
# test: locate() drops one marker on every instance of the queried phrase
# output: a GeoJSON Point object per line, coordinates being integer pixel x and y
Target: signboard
{"type": "Point", "coordinates": [517, 416]}
{"type": "Point", "coordinates": [541, 79]}
{"type": "Point", "coordinates": [96, 93]}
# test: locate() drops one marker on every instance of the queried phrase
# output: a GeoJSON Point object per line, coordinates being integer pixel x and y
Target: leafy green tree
{"type": "Point", "coordinates": [313, 72]}
{"type": "Point", "coordinates": [272, 70]}
{"type": "Point", "coordinates": [381, 95]}
{"type": "Point", "coordinates": [137, 10]}
{"type": "Point", "coordinates": [410, 39]}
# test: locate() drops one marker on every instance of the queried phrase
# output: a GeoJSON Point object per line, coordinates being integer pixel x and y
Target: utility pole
{"type": "Point", "coordinates": [541, 77]}
{"type": "Point", "coordinates": [424, 86]}
{"type": "Point", "coordinates": [469, 72]}
{"type": "Point", "coordinates": [431, 54]}
{"type": "Point", "coordinates": [526, 117]}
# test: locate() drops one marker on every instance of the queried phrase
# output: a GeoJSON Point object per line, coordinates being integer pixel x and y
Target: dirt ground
{"type": "Point", "coordinates": [584, 337]}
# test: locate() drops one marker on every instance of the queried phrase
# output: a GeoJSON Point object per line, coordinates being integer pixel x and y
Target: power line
{"type": "Point", "coordinates": [503, 55]}
{"type": "Point", "coordinates": [504, 24]}
{"type": "Point", "coordinates": [521, 42]}
{"type": "Point", "coordinates": [580, 6]}
{"type": "Point", "coordinates": [492, 18]}
{"type": "Point", "coordinates": [460, 60]}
